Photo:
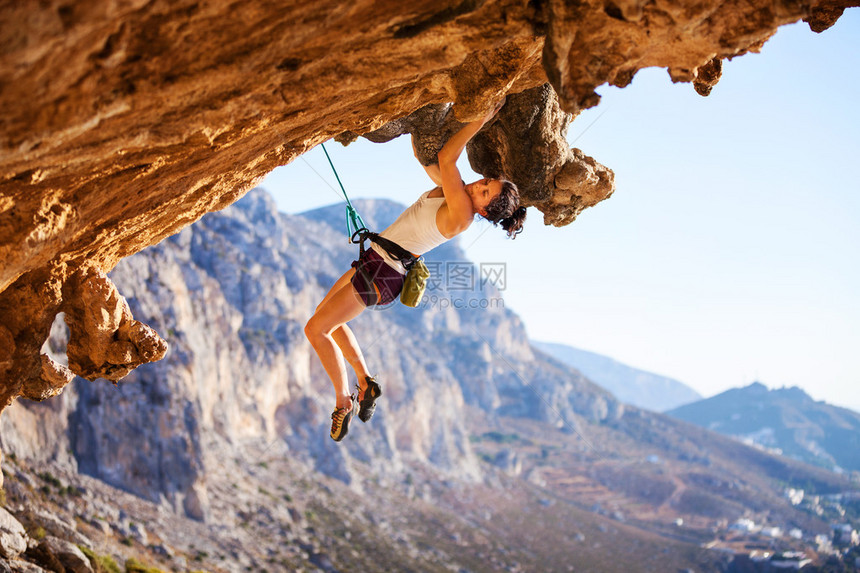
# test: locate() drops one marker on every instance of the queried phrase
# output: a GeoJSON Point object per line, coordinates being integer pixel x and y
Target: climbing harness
{"type": "Point", "coordinates": [417, 272]}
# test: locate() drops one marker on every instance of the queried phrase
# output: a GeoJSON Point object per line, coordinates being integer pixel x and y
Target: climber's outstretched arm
{"type": "Point", "coordinates": [457, 213]}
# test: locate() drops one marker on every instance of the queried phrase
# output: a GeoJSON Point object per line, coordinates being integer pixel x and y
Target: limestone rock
{"type": "Point", "coordinates": [13, 538]}
{"type": "Point", "coordinates": [823, 16]}
{"type": "Point", "coordinates": [52, 379]}
{"type": "Point", "coordinates": [527, 145]}
{"type": "Point", "coordinates": [105, 341]}
{"type": "Point", "coordinates": [707, 76]}
{"type": "Point", "coordinates": [25, 567]}
{"type": "Point", "coordinates": [72, 558]}
{"type": "Point", "coordinates": [55, 554]}
{"type": "Point", "coordinates": [43, 558]}
{"type": "Point", "coordinates": [34, 517]}
{"type": "Point", "coordinates": [27, 311]}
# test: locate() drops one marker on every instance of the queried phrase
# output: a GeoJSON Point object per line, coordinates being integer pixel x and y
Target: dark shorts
{"type": "Point", "coordinates": [382, 282]}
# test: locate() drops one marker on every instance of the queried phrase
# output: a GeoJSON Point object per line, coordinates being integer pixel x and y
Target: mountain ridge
{"type": "Point", "coordinates": [629, 384]}
{"type": "Point", "coordinates": [786, 420]}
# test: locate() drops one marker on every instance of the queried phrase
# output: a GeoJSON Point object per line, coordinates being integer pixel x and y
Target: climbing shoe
{"type": "Point", "coordinates": [368, 403]}
{"type": "Point", "coordinates": [340, 420]}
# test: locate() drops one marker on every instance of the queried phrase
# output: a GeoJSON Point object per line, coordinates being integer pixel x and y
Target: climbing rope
{"type": "Point", "coordinates": [354, 222]}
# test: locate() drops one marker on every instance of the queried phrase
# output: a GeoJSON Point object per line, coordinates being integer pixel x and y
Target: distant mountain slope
{"type": "Point", "coordinates": [232, 294]}
{"type": "Point", "coordinates": [787, 419]}
{"type": "Point", "coordinates": [485, 454]}
{"type": "Point", "coordinates": [630, 385]}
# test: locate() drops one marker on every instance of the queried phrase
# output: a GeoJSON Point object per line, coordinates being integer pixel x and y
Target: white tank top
{"type": "Point", "coordinates": [415, 230]}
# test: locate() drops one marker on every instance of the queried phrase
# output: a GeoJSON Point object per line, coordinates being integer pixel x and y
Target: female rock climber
{"type": "Point", "coordinates": [437, 216]}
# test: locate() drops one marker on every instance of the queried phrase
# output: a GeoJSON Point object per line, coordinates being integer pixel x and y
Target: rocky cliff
{"type": "Point", "coordinates": [232, 294]}
{"type": "Point", "coordinates": [126, 121]}
{"type": "Point", "coordinates": [218, 456]}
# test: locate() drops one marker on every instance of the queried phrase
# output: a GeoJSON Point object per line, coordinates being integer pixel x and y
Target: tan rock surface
{"type": "Point", "coordinates": [125, 120]}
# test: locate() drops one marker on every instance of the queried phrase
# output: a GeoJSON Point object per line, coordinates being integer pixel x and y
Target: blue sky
{"type": "Point", "coordinates": [729, 251]}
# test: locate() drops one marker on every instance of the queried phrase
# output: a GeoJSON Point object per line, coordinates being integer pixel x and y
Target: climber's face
{"type": "Point", "coordinates": [483, 192]}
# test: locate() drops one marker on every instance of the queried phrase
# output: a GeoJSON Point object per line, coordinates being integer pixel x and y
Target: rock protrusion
{"type": "Point", "coordinates": [581, 182]}
{"type": "Point", "coordinates": [430, 127]}
{"type": "Point", "coordinates": [51, 380]}
{"type": "Point", "coordinates": [105, 341]}
{"type": "Point", "coordinates": [525, 143]}
{"type": "Point", "coordinates": [707, 76]}
{"type": "Point", "coordinates": [27, 311]}
{"type": "Point", "coordinates": [823, 17]}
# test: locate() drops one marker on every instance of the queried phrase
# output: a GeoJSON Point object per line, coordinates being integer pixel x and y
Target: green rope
{"type": "Point", "coordinates": [354, 222]}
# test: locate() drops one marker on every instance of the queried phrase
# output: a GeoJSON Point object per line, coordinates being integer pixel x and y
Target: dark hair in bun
{"type": "Point", "coordinates": [505, 209]}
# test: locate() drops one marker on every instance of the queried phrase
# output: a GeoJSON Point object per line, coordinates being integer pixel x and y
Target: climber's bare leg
{"type": "Point", "coordinates": [333, 313]}
{"type": "Point", "coordinates": [344, 337]}
{"type": "Point", "coordinates": [346, 341]}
